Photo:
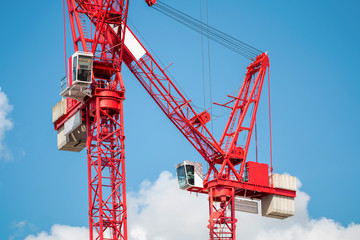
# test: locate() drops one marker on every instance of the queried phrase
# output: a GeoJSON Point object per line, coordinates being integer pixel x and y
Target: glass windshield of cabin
{"type": "Point", "coordinates": [190, 174]}
{"type": "Point", "coordinates": [181, 175]}
{"type": "Point", "coordinates": [85, 62]}
{"type": "Point", "coordinates": [85, 66]}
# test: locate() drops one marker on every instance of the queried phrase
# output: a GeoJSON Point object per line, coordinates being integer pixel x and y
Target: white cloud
{"type": "Point", "coordinates": [161, 211]}
{"type": "Point", "coordinates": [5, 123]}
{"type": "Point", "coordinates": [19, 227]}
{"type": "Point", "coordinates": [61, 232]}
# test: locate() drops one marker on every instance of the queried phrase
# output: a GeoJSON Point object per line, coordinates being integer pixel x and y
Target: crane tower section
{"type": "Point", "coordinates": [91, 113]}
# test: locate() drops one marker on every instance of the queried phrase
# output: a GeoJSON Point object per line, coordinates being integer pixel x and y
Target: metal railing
{"type": "Point", "coordinates": [63, 83]}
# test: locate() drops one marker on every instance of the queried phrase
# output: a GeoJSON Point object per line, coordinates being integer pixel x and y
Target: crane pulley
{"type": "Point", "coordinates": [91, 115]}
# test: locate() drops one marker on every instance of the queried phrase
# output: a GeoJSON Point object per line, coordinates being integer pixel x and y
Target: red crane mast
{"type": "Point", "coordinates": [91, 115]}
{"type": "Point", "coordinates": [100, 103]}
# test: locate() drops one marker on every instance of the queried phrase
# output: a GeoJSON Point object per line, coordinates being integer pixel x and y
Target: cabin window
{"type": "Point", "coordinates": [190, 174]}
{"type": "Point", "coordinates": [85, 66]}
{"type": "Point", "coordinates": [181, 176]}
{"type": "Point", "coordinates": [74, 64]}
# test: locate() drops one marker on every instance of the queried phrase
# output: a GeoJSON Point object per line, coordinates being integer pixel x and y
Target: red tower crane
{"type": "Point", "coordinates": [91, 115]}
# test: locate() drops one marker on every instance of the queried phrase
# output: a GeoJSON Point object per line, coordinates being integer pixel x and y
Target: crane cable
{"type": "Point", "coordinates": [209, 60]}
{"type": "Point", "coordinates": [271, 155]}
{"type": "Point", "coordinates": [202, 57]}
{"type": "Point", "coordinates": [212, 33]}
{"type": "Point", "coordinates": [163, 65]}
{"type": "Point", "coordinates": [65, 37]}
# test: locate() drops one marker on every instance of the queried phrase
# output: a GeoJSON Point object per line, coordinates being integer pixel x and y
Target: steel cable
{"type": "Point", "coordinates": [212, 33]}
{"type": "Point", "coordinates": [222, 39]}
{"type": "Point", "coordinates": [234, 49]}
{"type": "Point", "coordinates": [165, 6]}
{"type": "Point", "coordinates": [209, 60]}
{"type": "Point", "coordinates": [215, 37]}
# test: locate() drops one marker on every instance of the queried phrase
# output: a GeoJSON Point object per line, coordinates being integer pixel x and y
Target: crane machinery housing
{"type": "Point", "coordinates": [90, 115]}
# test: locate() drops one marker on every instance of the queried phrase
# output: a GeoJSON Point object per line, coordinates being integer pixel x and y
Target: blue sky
{"type": "Point", "coordinates": [313, 49]}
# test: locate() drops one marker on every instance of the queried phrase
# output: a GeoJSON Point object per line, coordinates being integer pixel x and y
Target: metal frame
{"type": "Point", "coordinates": [104, 115]}
{"type": "Point", "coordinates": [106, 170]}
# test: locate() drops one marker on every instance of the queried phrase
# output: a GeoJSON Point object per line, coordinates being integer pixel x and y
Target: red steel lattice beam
{"type": "Point", "coordinates": [104, 112]}
{"type": "Point", "coordinates": [106, 166]}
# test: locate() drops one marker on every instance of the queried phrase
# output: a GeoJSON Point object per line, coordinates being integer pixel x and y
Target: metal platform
{"type": "Point", "coordinates": [76, 92]}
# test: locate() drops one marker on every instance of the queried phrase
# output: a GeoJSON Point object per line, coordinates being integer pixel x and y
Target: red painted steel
{"type": "Point", "coordinates": [173, 103]}
{"type": "Point", "coordinates": [70, 76]}
{"type": "Point", "coordinates": [150, 2]}
{"type": "Point", "coordinates": [222, 221]}
{"type": "Point", "coordinates": [104, 115]}
{"type": "Point", "coordinates": [106, 165]}
{"type": "Point", "coordinates": [258, 173]}
{"type": "Point", "coordinates": [104, 112]}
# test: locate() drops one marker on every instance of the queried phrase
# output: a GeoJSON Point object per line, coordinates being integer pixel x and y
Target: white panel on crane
{"type": "Point", "coordinates": [131, 43]}
{"type": "Point", "coordinates": [246, 206]}
{"type": "Point", "coordinates": [72, 123]}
